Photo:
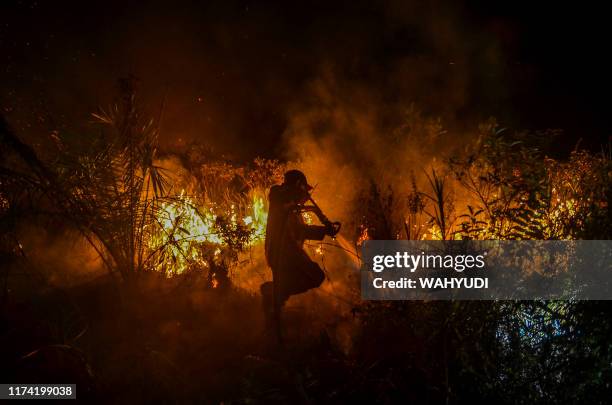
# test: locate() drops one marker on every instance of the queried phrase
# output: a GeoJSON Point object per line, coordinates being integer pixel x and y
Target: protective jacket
{"type": "Point", "coordinates": [293, 270]}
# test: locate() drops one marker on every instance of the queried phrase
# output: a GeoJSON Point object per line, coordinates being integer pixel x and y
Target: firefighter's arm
{"type": "Point", "coordinates": [329, 228]}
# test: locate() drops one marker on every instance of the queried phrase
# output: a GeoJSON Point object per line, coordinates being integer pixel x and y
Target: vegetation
{"type": "Point", "coordinates": [507, 352]}
{"type": "Point", "coordinates": [180, 331]}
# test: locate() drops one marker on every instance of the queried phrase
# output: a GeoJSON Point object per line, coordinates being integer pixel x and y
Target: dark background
{"type": "Point", "coordinates": [232, 72]}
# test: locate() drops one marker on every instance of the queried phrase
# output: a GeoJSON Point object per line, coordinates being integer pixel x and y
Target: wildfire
{"type": "Point", "coordinates": [363, 236]}
{"type": "Point", "coordinates": [187, 235]}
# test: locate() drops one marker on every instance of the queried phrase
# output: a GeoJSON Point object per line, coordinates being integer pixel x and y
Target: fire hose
{"type": "Point", "coordinates": [333, 226]}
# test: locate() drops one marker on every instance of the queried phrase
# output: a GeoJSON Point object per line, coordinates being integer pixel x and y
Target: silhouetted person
{"type": "Point", "coordinates": [292, 270]}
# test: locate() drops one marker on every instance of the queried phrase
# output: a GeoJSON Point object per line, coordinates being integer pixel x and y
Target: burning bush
{"type": "Point", "coordinates": [132, 209]}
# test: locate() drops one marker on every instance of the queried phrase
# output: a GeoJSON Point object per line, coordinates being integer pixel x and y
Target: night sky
{"type": "Point", "coordinates": [232, 73]}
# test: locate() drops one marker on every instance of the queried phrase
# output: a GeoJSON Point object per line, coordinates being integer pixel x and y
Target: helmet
{"type": "Point", "coordinates": [293, 177]}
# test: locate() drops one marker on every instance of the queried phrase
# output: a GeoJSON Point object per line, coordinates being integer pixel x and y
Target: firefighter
{"type": "Point", "coordinates": [293, 271]}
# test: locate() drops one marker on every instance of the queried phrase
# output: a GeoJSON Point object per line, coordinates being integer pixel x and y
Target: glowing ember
{"type": "Point", "coordinates": [363, 236]}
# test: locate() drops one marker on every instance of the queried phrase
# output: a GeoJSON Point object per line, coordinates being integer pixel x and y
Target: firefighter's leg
{"type": "Point", "coordinates": [267, 300]}
{"type": "Point", "coordinates": [276, 314]}
{"type": "Point", "coordinates": [273, 299]}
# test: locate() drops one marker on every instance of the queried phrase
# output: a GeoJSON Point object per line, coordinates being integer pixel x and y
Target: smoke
{"type": "Point", "coordinates": [386, 109]}
{"type": "Point", "coordinates": [59, 257]}
{"type": "Point", "coordinates": [345, 141]}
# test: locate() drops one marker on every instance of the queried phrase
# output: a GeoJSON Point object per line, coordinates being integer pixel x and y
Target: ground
{"type": "Point", "coordinates": [178, 341]}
